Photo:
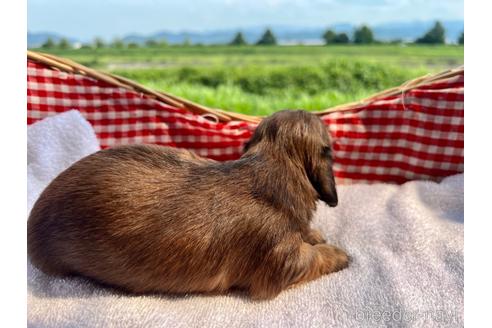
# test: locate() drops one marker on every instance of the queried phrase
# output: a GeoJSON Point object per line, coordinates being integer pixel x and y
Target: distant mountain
{"type": "Point", "coordinates": [407, 31]}
{"type": "Point", "coordinates": [284, 34]}
{"type": "Point", "coordinates": [35, 40]}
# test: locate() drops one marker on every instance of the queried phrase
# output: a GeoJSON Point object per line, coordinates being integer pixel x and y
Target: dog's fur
{"type": "Point", "coordinates": [158, 219]}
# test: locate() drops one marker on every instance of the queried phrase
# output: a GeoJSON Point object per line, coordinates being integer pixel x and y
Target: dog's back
{"type": "Point", "coordinates": [147, 218]}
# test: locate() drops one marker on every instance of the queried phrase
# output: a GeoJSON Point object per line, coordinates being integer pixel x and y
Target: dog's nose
{"type": "Point", "coordinates": [333, 203]}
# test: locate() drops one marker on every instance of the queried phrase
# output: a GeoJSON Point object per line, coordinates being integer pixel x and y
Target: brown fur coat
{"type": "Point", "coordinates": [157, 219]}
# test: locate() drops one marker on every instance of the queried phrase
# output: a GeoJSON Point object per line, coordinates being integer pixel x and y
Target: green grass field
{"type": "Point", "coordinates": [259, 80]}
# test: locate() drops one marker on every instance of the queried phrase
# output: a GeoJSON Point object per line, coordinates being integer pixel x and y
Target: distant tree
{"type": "Point", "coordinates": [85, 46]}
{"type": "Point", "coordinates": [64, 44]}
{"type": "Point", "coordinates": [133, 45]}
{"type": "Point", "coordinates": [267, 39]}
{"type": "Point", "coordinates": [363, 35]}
{"type": "Point", "coordinates": [329, 36]}
{"type": "Point", "coordinates": [238, 40]}
{"type": "Point", "coordinates": [341, 38]}
{"type": "Point", "coordinates": [48, 44]}
{"type": "Point", "coordinates": [117, 43]}
{"type": "Point", "coordinates": [436, 35]}
{"type": "Point", "coordinates": [99, 43]}
{"type": "Point", "coordinates": [151, 43]}
{"type": "Point", "coordinates": [163, 43]}
{"type": "Point", "coordinates": [395, 41]}
{"type": "Point", "coordinates": [461, 38]}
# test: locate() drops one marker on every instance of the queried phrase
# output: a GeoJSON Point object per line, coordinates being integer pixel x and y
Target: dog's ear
{"type": "Point", "coordinates": [321, 176]}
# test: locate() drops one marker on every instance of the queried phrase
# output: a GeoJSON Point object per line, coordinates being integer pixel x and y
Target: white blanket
{"type": "Point", "coordinates": [405, 242]}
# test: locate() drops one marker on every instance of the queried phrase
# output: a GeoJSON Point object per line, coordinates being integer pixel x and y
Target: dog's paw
{"type": "Point", "coordinates": [334, 259]}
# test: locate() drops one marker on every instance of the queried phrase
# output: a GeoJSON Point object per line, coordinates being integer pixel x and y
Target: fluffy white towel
{"type": "Point", "coordinates": [53, 144]}
{"type": "Point", "coordinates": [406, 245]}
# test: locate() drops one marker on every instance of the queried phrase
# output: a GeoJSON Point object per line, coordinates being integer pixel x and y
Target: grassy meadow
{"type": "Point", "coordinates": [258, 80]}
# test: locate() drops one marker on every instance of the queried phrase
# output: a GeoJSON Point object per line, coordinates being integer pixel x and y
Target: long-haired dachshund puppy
{"type": "Point", "coordinates": [158, 219]}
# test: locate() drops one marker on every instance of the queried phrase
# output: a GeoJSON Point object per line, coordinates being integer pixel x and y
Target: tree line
{"type": "Point", "coordinates": [361, 35]}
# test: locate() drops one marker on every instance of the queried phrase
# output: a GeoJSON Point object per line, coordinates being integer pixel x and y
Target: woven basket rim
{"type": "Point", "coordinates": [70, 66]}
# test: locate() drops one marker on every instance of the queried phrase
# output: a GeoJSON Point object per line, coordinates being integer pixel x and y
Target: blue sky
{"type": "Point", "coordinates": [85, 19]}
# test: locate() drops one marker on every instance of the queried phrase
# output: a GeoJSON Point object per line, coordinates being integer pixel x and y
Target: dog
{"type": "Point", "coordinates": [147, 219]}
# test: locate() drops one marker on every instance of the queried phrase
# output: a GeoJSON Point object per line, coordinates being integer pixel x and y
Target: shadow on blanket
{"type": "Point", "coordinates": [446, 203]}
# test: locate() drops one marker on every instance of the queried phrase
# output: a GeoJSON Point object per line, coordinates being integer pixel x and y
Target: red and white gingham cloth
{"type": "Point", "coordinates": [416, 135]}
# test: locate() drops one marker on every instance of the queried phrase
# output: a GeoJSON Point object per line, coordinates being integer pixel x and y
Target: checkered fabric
{"type": "Point", "coordinates": [120, 116]}
{"type": "Point", "coordinates": [416, 135]}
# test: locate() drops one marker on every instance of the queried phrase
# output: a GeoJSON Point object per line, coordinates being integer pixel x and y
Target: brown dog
{"type": "Point", "coordinates": [158, 219]}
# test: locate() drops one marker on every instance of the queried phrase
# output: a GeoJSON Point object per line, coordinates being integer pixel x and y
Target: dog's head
{"type": "Point", "coordinates": [300, 137]}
